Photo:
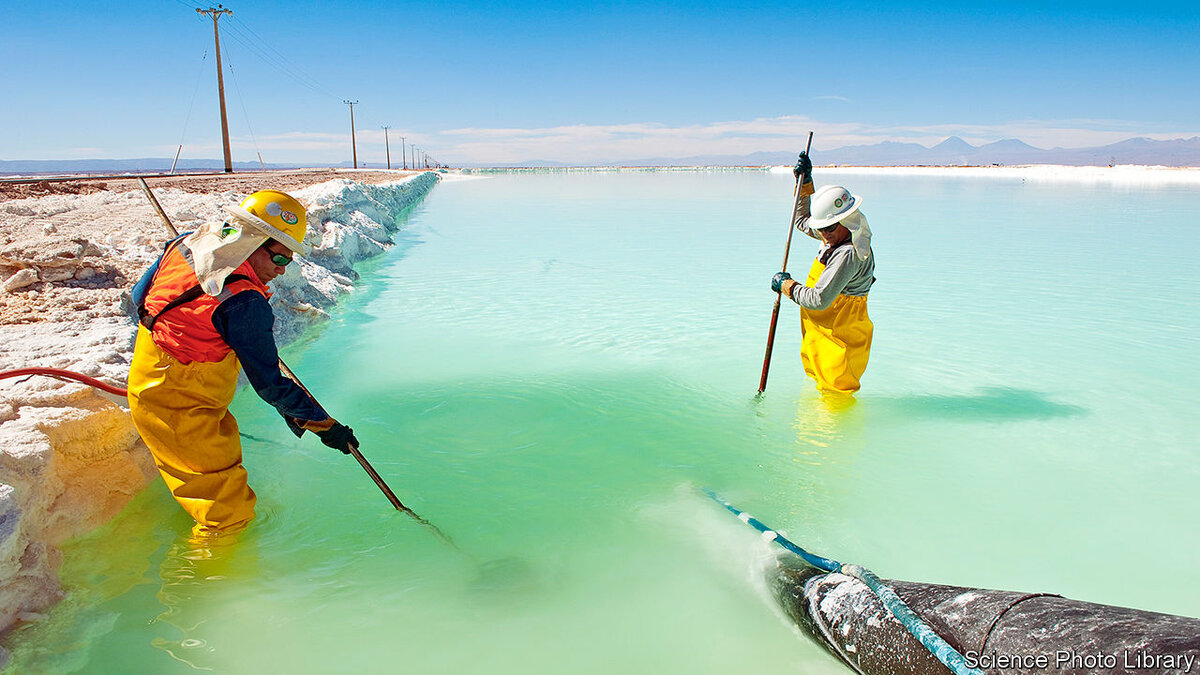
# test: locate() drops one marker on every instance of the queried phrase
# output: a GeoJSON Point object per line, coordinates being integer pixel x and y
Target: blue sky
{"type": "Point", "coordinates": [507, 82]}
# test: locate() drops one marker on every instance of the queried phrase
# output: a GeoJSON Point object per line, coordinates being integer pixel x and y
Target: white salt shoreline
{"type": "Point", "coordinates": [1120, 174]}
{"type": "Point", "coordinates": [70, 458]}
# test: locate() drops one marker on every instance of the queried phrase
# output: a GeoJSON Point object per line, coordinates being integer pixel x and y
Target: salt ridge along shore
{"type": "Point", "coordinates": [70, 458]}
{"type": "Point", "coordinates": [1121, 174]}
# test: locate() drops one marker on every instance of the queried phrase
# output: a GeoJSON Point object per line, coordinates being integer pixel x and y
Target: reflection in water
{"type": "Point", "coordinates": [827, 426]}
{"type": "Point", "coordinates": [195, 574]}
{"type": "Point", "coordinates": [818, 469]}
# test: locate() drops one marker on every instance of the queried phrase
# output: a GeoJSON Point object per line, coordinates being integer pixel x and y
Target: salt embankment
{"type": "Point", "coordinates": [70, 458]}
{"type": "Point", "coordinates": [1121, 174]}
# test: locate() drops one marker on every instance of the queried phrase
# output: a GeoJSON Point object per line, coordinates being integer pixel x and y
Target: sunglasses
{"type": "Point", "coordinates": [279, 258]}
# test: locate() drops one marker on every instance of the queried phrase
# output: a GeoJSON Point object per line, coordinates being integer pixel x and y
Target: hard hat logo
{"type": "Point", "coordinates": [288, 217]}
{"type": "Point", "coordinates": [830, 205]}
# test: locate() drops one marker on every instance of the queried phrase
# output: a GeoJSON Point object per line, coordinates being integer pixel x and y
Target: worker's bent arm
{"type": "Point", "coordinates": [833, 280]}
{"type": "Point", "coordinates": [801, 214]}
{"type": "Point", "coordinates": [245, 321]}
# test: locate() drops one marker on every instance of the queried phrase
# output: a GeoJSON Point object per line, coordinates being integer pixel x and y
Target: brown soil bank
{"type": "Point", "coordinates": [236, 182]}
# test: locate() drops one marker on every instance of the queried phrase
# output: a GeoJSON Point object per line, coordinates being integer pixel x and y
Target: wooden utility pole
{"type": "Point", "coordinates": [403, 156]}
{"type": "Point", "coordinates": [387, 147]}
{"type": "Point", "coordinates": [353, 145]}
{"type": "Point", "coordinates": [215, 13]}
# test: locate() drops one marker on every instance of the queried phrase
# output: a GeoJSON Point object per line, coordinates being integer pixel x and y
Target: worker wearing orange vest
{"type": "Point", "coordinates": [204, 316]}
{"type": "Point", "coordinates": [835, 327]}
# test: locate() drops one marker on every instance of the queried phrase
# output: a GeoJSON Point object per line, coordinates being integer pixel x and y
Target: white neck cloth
{"type": "Point", "coordinates": [860, 233]}
{"type": "Point", "coordinates": [219, 248]}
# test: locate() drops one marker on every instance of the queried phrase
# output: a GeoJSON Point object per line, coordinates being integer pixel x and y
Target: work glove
{"type": "Point", "coordinates": [803, 169]}
{"type": "Point", "coordinates": [777, 281]}
{"type": "Point", "coordinates": [339, 437]}
{"type": "Point", "coordinates": [331, 432]}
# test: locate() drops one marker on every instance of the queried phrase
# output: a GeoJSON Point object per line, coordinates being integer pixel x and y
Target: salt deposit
{"type": "Point", "coordinates": [69, 457]}
{"type": "Point", "coordinates": [1120, 174]}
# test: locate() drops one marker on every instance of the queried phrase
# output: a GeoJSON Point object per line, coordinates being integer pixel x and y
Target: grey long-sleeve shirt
{"type": "Point", "coordinates": [845, 273]}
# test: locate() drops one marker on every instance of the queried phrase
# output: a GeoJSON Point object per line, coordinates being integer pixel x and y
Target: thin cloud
{"type": "Point", "coordinates": [585, 144]}
{"type": "Point", "coordinates": [607, 143]}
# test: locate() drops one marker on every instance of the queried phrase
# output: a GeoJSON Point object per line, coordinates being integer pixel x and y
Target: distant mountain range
{"type": "Point", "coordinates": [953, 151]}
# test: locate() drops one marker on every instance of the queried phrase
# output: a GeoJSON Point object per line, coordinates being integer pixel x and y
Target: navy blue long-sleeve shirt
{"type": "Point", "coordinates": [245, 322]}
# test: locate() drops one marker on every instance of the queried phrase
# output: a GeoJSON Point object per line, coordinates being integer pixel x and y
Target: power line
{"type": "Point", "coordinates": [250, 40]}
{"type": "Point", "coordinates": [246, 115]}
{"type": "Point", "coordinates": [293, 68]}
{"type": "Point", "coordinates": [191, 106]}
{"type": "Point", "coordinates": [189, 6]}
{"type": "Point", "coordinates": [195, 91]}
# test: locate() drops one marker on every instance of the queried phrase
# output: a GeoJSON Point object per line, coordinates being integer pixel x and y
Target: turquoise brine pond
{"type": "Point", "coordinates": [548, 366]}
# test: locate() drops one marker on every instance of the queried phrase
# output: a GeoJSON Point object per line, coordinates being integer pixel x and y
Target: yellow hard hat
{"type": "Point", "coordinates": [276, 214]}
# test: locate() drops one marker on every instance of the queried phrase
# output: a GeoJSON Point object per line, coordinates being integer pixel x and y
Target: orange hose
{"type": "Point", "coordinates": [60, 374]}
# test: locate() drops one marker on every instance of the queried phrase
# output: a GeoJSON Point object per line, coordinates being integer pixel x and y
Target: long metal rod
{"type": "Point", "coordinates": [387, 491]}
{"type": "Point", "coordinates": [766, 367]}
{"type": "Point", "coordinates": [158, 208]}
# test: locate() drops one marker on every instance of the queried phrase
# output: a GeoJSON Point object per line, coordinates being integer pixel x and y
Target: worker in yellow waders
{"type": "Point", "coordinates": [836, 330]}
{"type": "Point", "coordinates": [204, 315]}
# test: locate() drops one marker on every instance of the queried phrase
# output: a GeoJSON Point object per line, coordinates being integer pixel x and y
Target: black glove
{"type": "Point", "coordinates": [803, 169]}
{"type": "Point", "coordinates": [339, 437]}
{"type": "Point", "coordinates": [777, 281]}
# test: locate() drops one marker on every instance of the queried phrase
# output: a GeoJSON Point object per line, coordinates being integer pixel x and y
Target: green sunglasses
{"type": "Point", "coordinates": [279, 258]}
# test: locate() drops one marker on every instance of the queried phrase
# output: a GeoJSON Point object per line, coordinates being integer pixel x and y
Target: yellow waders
{"type": "Point", "coordinates": [181, 412]}
{"type": "Point", "coordinates": [836, 340]}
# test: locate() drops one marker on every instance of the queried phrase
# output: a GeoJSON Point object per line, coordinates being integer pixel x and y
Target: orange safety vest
{"type": "Point", "coordinates": [179, 314]}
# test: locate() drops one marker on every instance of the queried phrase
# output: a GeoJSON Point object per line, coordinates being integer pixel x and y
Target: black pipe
{"type": "Point", "coordinates": [1002, 632]}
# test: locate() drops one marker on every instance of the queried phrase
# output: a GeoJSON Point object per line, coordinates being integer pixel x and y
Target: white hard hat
{"type": "Point", "coordinates": [830, 205]}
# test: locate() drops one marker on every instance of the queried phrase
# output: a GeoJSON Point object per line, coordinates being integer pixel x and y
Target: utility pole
{"type": "Point", "coordinates": [403, 157]}
{"type": "Point", "coordinates": [353, 145]}
{"type": "Point", "coordinates": [215, 13]}
{"type": "Point", "coordinates": [387, 147]}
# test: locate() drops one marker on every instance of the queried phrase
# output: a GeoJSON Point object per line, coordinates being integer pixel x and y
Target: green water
{"type": "Point", "coordinates": [547, 366]}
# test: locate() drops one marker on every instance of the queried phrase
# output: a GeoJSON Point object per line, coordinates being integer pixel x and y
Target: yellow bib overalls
{"type": "Point", "coordinates": [836, 341]}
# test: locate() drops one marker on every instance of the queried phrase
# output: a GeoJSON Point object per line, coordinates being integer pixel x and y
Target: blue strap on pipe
{"type": "Point", "coordinates": [941, 649]}
{"type": "Point", "coordinates": [771, 535]}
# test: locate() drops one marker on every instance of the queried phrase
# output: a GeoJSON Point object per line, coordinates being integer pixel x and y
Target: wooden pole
{"type": "Point", "coordinates": [158, 208]}
{"type": "Point", "coordinates": [353, 144]}
{"type": "Point", "coordinates": [387, 491]}
{"type": "Point", "coordinates": [762, 382]}
{"type": "Point", "coordinates": [216, 13]}
{"type": "Point", "coordinates": [386, 146]}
